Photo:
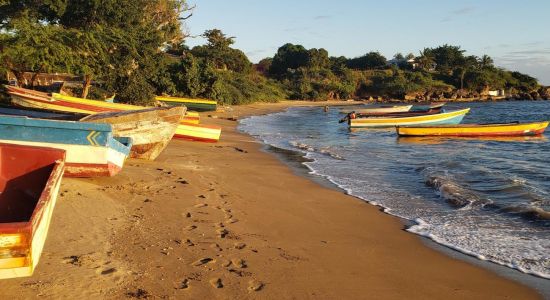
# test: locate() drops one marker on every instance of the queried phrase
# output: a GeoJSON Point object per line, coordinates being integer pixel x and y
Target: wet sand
{"type": "Point", "coordinates": [230, 221]}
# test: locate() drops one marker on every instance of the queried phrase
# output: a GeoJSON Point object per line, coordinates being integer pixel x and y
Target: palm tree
{"type": "Point", "coordinates": [426, 60]}
{"type": "Point", "coordinates": [485, 61]}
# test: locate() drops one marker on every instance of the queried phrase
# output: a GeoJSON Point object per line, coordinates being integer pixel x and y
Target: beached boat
{"type": "Point", "coordinates": [29, 184]}
{"type": "Point", "coordinates": [380, 109]}
{"type": "Point", "coordinates": [453, 117]}
{"type": "Point", "coordinates": [61, 103]}
{"type": "Point", "coordinates": [91, 149]}
{"type": "Point", "coordinates": [150, 129]}
{"type": "Point", "coordinates": [475, 130]}
{"type": "Point", "coordinates": [186, 130]}
{"type": "Point", "coordinates": [38, 114]}
{"type": "Point", "coordinates": [192, 104]}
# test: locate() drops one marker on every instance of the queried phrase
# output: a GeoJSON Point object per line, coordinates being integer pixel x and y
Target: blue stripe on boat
{"type": "Point", "coordinates": [62, 132]}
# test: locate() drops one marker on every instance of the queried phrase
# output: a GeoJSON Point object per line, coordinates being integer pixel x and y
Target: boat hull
{"type": "Point", "coordinates": [30, 188]}
{"type": "Point", "coordinates": [476, 130]}
{"type": "Point", "coordinates": [454, 117]}
{"type": "Point", "coordinates": [150, 129]}
{"type": "Point", "coordinates": [185, 130]}
{"type": "Point", "coordinates": [200, 133]}
{"type": "Point", "coordinates": [192, 104]}
{"type": "Point", "coordinates": [381, 110]}
{"type": "Point", "coordinates": [91, 149]}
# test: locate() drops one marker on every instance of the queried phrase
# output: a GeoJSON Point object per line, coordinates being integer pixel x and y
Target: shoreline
{"type": "Point", "coordinates": [229, 220]}
{"type": "Point", "coordinates": [295, 161]}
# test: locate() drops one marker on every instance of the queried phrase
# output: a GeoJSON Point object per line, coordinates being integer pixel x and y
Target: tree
{"type": "Point", "coordinates": [220, 54]}
{"type": "Point", "coordinates": [398, 56]}
{"type": "Point", "coordinates": [485, 62]}
{"type": "Point", "coordinates": [289, 57]}
{"type": "Point", "coordinates": [369, 61]}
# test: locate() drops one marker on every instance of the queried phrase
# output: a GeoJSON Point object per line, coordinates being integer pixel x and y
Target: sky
{"type": "Point", "coordinates": [516, 34]}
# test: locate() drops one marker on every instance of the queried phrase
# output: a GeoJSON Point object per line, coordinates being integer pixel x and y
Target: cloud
{"type": "Point", "coordinates": [464, 10]}
{"type": "Point", "coordinates": [529, 52]}
{"type": "Point", "coordinates": [322, 17]}
{"type": "Point", "coordinates": [459, 12]}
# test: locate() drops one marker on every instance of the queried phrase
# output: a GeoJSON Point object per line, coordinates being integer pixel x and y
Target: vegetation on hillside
{"type": "Point", "coordinates": [137, 49]}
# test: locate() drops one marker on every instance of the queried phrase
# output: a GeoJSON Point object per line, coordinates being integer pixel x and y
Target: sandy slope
{"type": "Point", "coordinates": [229, 221]}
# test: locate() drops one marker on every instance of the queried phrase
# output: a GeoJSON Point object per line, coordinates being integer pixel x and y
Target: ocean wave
{"type": "Point", "coordinates": [324, 150]}
{"type": "Point", "coordinates": [454, 194]}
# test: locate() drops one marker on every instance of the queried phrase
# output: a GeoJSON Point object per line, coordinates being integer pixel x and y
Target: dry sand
{"type": "Point", "coordinates": [229, 221]}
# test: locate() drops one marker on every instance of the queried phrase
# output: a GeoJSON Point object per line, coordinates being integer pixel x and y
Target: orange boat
{"type": "Point", "coordinates": [29, 184]}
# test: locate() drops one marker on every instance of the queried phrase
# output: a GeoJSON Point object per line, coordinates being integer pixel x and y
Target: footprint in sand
{"type": "Point", "coordinates": [225, 263]}
{"type": "Point", "coordinates": [201, 205]}
{"type": "Point", "coordinates": [231, 221]}
{"type": "Point", "coordinates": [220, 225]}
{"type": "Point", "coordinates": [189, 243]}
{"type": "Point", "coordinates": [184, 284]}
{"type": "Point", "coordinates": [255, 285]}
{"type": "Point", "coordinates": [239, 246]}
{"type": "Point", "coordinates": [239, 263]}
{"type": "Point", "coordinates": [202, 261]}
{"type": "Point", "coordinates": [108, 271]}
{"type": "Point", "coordinates": [75, 260]}
{"type": "Point", "coordinates": [216, 247]}
{"type": "Point", "coordinates": [216, 282]}
{"type": "Point", "coordinates": [222, 232]}
{"type": "Point", "coordinates": [188, 215]}
{"type": "Point", "coordinates": [191, 227]}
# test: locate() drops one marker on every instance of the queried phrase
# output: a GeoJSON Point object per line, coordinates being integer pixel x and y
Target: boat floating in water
{"type": "Point", "coordinates": [384, 109]}
{"type": "Point", "coordinates": [150, 129]}
{"type": "Point", "coordinates": [452, 117]}
{"type": "Point", "coordinates": [475, 130]}
{"type": "Point", "coordinates": [91, 149]}
{"type": "Point", "coordinates": [29, 185]}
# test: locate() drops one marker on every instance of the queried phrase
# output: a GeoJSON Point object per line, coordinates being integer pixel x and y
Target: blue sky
{"type": "Point", "coordinates": [515, 33]}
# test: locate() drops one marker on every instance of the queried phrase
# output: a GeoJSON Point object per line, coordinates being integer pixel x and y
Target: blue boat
{"type": "Point", "coordinates": [91, 148]}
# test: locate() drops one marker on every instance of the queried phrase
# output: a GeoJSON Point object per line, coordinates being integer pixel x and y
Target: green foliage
{"type": "Point", "coordinates": [369, 61]}
{"type": "Point", "coordinates": [217, 71]}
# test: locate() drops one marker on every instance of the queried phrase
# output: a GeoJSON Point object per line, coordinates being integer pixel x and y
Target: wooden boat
{"type": "Point", "coordinates": [29, 185]}
{"type": "Point", "coordinates": [401, 114]}
{"type": "Point", "coordinates": [91, 149]}
{"type": "Point", "coordinates": [192, 104]}
{"type": "Point", "coordinates": [186, 130]}
{"type": "Point", "coordinates": [150, 129]}
{"type": "Point", "coordinates": [60, 103]}
{"type": "Point", "coordinates": [475, 130]}
{"type": "Point", "coordinates": [8, 111]}
{"type": "Point", "coordinates": [424, 107]}
{"type": "Point", "coordinates": [453, 117]}
{"type": "Point", "coordinates": [380, 109]}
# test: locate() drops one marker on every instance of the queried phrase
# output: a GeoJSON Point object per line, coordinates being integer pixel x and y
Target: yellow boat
{"type": "Point", "coordinates": [475, 130]}
{"type": "Point", "coordinates": [190, 116]}
{"type": "Point", "coordinates": [188, 129]}
{"type": "Point", "coordinates": [453, 117]}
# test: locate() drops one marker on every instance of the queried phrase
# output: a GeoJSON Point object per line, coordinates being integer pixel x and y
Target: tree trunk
{"type": "Point", "coordinates": [20, 77]}
{"type": "Point", "coordinates": [87, 84]}
{"type": "Point", "coordinates": [33, 79]}
{"type": "Point", "coordinates": [462, 83]}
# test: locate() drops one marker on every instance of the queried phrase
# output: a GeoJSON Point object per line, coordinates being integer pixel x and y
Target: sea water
{"type": "Point", "coordinates": [489, 198]}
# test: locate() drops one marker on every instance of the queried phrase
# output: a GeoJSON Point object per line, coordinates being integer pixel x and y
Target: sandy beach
{"type": "Point", "coordinates": [230, 221]}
